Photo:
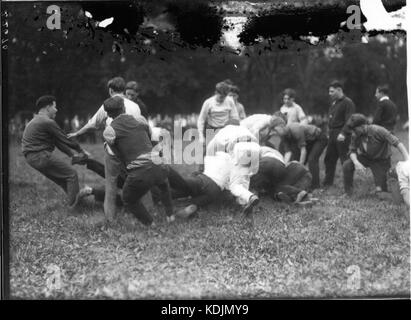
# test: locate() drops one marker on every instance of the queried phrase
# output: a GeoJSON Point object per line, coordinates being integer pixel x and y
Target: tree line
{"type": "Point", "coordinates": [75, 63]}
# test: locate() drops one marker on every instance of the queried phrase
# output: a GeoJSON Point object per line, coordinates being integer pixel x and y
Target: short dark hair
{"type": "Point", "coordinates": [222, 88]}
{"type": "Point", "coordinates": [356, 120]}
{"type": "Point", "coordinates": [235, 89]}
{"type": "Point", "coordinates": [289, 92]}
{"type": "Point", "coordinates": [44, 101]}
{"type": "Point", "coordinates": [228, 81]}
{"type": "Point", "coordinates": [384, 88]}
{"type": "Point", "coordinates": [117, 84]}
{"type": "Point", "coordinates": [133, 85]}
{"type": "Point", "coordinates": [114, 106]}
{"type": "Point", "coordinates": [336, 84]}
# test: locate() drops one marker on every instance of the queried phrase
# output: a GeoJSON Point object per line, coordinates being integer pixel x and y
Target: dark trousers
{"type": "Point", "coordinates": [98, 168]}
{"type": "Point", "coordinates": [379, 170]}
{"type": "Point", "coordinates": [275, 177]}
{"type": "Point", "coordinates": [57, 171]}
{"type": "Point", "coordinates": [297, 175]}
{"type": "Point", "coordinates": [113, 169]}
{"type": "Point", "coordinates": [296, 179]}
{"type": "Point", "coordinates": [314, 151]}
{"type": "Point", "coordinates": [270, 172]}
{"type": "Point", "coordinates": [335, 150]}
{"type": "Point", "coordinates": [295, 151]}
{"type": "Point", "coordinates": [136, 185]}
{"type": "Point", "coordinates": [99, 192]}
{"type": "Point", "coordinates": [201, 188]}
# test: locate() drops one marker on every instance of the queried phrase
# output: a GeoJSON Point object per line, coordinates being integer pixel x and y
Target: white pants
{"type": "Point", "coordinates": [239, 184]}
{"type": "Point", "coordinates": [403, 173]}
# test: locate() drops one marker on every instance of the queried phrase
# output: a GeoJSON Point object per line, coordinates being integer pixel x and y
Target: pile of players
{"type": "Point", "coordinates": [239, 156]}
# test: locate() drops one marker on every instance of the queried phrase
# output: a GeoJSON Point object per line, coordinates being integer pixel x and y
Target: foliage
{"type": "Point", "coordinates": [176, 76]}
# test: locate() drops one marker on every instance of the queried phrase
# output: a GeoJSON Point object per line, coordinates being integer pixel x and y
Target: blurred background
{"type": "Point", "coordinates": [177, 69]}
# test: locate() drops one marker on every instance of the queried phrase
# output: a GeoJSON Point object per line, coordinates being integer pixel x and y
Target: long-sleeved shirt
{"type": "Point", "coordinates": [339, 113]}
{"type": "Point", "coordinates": [294, 113]}
{"type": "Point", "coordinates": [375, 143]}
{"type": "Point", "coordinates": [299, 134]}
{"type": "Point", "coordinates": [101, 118]}
{"type": "Point", "coordinates": [44, 134]}
{"type": "Point", "coordinates": [216, 114]}
{"type": "Point", "coordinates": [227, 137]}
{"type": "Point", "coordinates": [225, 171]}
{"type": "Point", "coordinates": [386, 114]}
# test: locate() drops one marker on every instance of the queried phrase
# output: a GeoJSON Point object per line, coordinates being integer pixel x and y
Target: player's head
{"type": "Point", "coordinates": [132, 90]}
{"type": "Point", "coordinates": [335, 90]}
{"type": "Point", "coordinates": [278, 124]}
{"type": "Point", "coordinates": [222, 89]}
{"type": "Point", "coordinates": [289, 97]}
{"type": "Point", "coordinates": [382, 91]}
{"type": "Point", "coordinates": [234, 91]}
{"type": "Point", "coordinates": [47, 105]}
{"type": "Point", "coordinates": [116, 85]}
{"type": "Point", "coordinates": [357, 123]}
{"type": "Point", "coordinates": [114, 106]}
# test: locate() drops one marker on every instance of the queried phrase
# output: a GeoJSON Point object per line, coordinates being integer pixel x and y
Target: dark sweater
{"type": "Point", "coordinates": [142, 106]}
{"type": "Point", "coordinates": [378, 141]}
{"type": "Point", "coordinates": [299, 135]}
{"type": "Point", "coordinates": [132, 138]}
{"type": "Point", "coordinates": [386, 114]}
{"type": "Point", "coordinates": [339, 113]}
{"type": "Point", "coordinates": [44, 134]}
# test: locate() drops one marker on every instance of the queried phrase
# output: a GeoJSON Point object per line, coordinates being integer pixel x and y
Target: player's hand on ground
{"type": "Point", "coordinates": [72, 135]}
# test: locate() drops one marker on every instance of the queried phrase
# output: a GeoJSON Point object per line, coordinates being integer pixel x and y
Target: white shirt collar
{"type": "Point", "coordinates": [385, 98]}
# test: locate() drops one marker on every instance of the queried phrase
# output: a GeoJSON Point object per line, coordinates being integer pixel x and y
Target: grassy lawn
{"type": "Point", "coordinates": [290, 251]}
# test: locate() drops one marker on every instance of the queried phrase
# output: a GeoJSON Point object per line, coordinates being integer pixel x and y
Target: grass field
{"type": "Point", "coordinates": [290, 251]}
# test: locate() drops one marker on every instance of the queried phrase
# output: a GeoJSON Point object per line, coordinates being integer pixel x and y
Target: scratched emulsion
{"type": "Point", "coordinates": [200, 23]}
{"type": "Point", "coordinates": [128, 15]}
{"type": "Point", "coordinates": [320, 19]}
{"type": "Point", "coordinates": [197, 23]}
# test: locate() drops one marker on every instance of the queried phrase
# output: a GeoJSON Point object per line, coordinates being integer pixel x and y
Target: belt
{"type": "Point", "coordinates": [141, 161]}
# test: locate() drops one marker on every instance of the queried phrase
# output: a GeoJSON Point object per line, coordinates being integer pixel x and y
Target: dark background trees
{"type": "Point", "coordinates": [74, 64]}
